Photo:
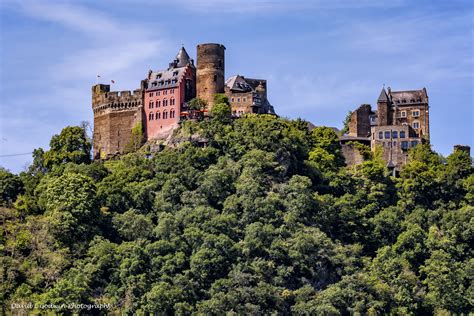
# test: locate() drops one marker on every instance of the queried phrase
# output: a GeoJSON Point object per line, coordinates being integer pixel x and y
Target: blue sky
{"type": "Point", "coordinates": [321, 58]}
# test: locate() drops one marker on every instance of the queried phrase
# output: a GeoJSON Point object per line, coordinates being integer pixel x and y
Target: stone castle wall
{"type": "Point", "coordinates": [115, 114]}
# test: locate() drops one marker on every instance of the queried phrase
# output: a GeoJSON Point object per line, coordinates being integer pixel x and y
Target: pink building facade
{"type": "Point", "coordinates": [166, 93]}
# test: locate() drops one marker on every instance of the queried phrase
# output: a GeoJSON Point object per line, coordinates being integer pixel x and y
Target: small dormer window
{"type": "Point", "coordinates": [175, 73]}
{"type": "Point", "coordinates": [158, 76]}
{"type": "Point", "coordinates": [404, 101]}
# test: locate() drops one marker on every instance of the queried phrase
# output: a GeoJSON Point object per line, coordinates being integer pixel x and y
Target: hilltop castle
{"type": "Point", "coordinates": [400, 122]}
{"type": "Point", "coordinates": [161, 102]}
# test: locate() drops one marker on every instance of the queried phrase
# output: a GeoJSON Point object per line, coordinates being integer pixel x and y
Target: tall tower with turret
{"type": "Point", "coordinates": [210, 71]}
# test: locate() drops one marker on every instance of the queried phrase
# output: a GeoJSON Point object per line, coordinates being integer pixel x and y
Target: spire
{"type": "Point", "coordinates": [383, 96]}
{"type": "Point", "coordinates": [182, 57]}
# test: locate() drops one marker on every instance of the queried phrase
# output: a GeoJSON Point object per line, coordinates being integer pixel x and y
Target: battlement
{"type": "Point", "coordinates": [103, 98]}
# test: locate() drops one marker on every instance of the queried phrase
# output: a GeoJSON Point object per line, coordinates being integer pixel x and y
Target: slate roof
{"type": "Point", "coordinates": [409, 96]}
{"type": "Point", "coordinates": [383, 96]}
{"type": "Point", "coordinates": [239, 83]}
{"type": "Point", "coordinates": [182, 58]}
{"type": "Point", "coordinates": [169, 78]}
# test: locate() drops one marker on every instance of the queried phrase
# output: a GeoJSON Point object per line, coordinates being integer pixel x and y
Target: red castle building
{"type": "Point", "coordinates": [161, 102]}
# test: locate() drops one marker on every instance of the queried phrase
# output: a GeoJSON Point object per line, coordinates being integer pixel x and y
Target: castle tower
{"type": "Point", "coordinates": [383, 109]}
{"type": "Point", "coordinates": [116, 113]}
{"type": "Point", "coordinates": [210, 71]}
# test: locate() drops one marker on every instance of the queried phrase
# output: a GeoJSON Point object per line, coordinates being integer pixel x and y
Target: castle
{"type": "Point", "coordinates": [400, 122]}
{"type": "Point", "coordinates": [161, 102]}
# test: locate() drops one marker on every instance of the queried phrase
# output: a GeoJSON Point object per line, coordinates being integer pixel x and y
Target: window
{"type": "Point", "coordinates": [414, 143]}
{"type": "Point", "coordinates": [215, 78]}
{"type": "Point", "coordinates": [172, 101]}
{"type": "Point", "coordinates": [165, 115]}
{"type": "Point", "coordinates": [172, 91]}
{"type": "Point", "coordinates": [232, 99]}
{"type": "Point", "coordinates": [238, 99]}
{"type": "Point", "coordinates": [158, 103]}
{"type": "Point", "coordinates": [244, 100]}
{"type": "Point", "coordinates": [150, 105]}
{"type": "Point", "coordinates": [172, 114]}
{"type": "Point", "coordinates": [415, 113]}
{"type": "Point", "coordinates": [158, 93]}
{"type": "Point", "coordinates": [387, 135]}
{"type": "Point", "coordinates": [151, 94]}
{"type": "Point", "coordinates": [150, 116]}
{"type": "Point", "coordinates": [394, 134]}
{"type": "Point", "coordinates": [403, 114]}
{"type": "Point", "coordinates": [380, 135]}
{"type": "Point", "coordinates": [404, 144]}
{"type": "Point", "coordinates": [158, 115]}
{"type": "Point", "coordinates": [402, 134]}
{"type": "Point", "coordinates": [416, 125]}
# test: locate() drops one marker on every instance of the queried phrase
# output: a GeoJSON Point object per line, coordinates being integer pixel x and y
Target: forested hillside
{"type": "Point", "coordinates": [264, 219]}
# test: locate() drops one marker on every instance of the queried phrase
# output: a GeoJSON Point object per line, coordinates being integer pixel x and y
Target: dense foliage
{"type": "Point", "coordinates": [264, 219]}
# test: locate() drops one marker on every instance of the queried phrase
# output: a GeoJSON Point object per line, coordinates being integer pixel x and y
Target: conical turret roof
{"type": "Point", "coordinates": [383, 96]}
{"type": "Point", "coordinates": [182, 57]}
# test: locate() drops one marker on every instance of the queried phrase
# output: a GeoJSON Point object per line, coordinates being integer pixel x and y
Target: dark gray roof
{"type": "Point", "coordinates": [169, 78]}
{"type": "Point", "coordinates": [165, 79]}
{"type": "Point", "coordinates": [383, 96]}
{"type": "Point", "coordinates": [238, 84]}
{"type": "Point", "coordinates": [409, 96]}
{"type": "Point", "coordinates": [182, 58]}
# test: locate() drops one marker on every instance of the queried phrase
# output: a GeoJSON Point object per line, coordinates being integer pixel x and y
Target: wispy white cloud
{"type": "Point", "coordinates": [99, 43]}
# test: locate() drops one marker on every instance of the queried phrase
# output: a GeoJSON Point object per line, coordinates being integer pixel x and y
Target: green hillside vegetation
{"type": "Point", "coordinates": [264, 219]}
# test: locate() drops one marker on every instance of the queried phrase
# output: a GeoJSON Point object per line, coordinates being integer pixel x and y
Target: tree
{"type": "Point", "coordinates": [347, 120]}
{"type": "Point", "coordinates": [71, 145]}
{"type": "Point", "coordinates": [197, 104]}
{"type": "Point", "coordinates": [10, 187]}
{"type": "Point", "coordinates": [71, 206]}
{"type": "Point", "coordinates": [137, 138]}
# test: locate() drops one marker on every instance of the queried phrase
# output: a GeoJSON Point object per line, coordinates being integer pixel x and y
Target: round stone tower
{"type": "Point", "coordinates": [210, 71]}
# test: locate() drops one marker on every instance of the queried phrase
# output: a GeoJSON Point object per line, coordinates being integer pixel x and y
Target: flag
{"type": "Point", "coordinates": [113, 81]}
{"type": "Point", "coordinates": [98, 76]}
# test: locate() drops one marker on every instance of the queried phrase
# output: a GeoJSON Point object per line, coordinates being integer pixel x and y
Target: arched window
{"type": "Point", "coordinates": [158, 115]}
{"type": "Point", "coordinates": [165, 114]}
{"type": "Point", "coordinates": [165, 102]}
{"type": "Point", "coordinates": [150, 116]}
{"type": "Point", "coordinates": [172, 114]}
{"type": "Point", "coordinates": [416, 125]}
{"type": "Point", "coordinates": [158, 103]}
{"type": "Point", "coordinates": [172, 101]}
